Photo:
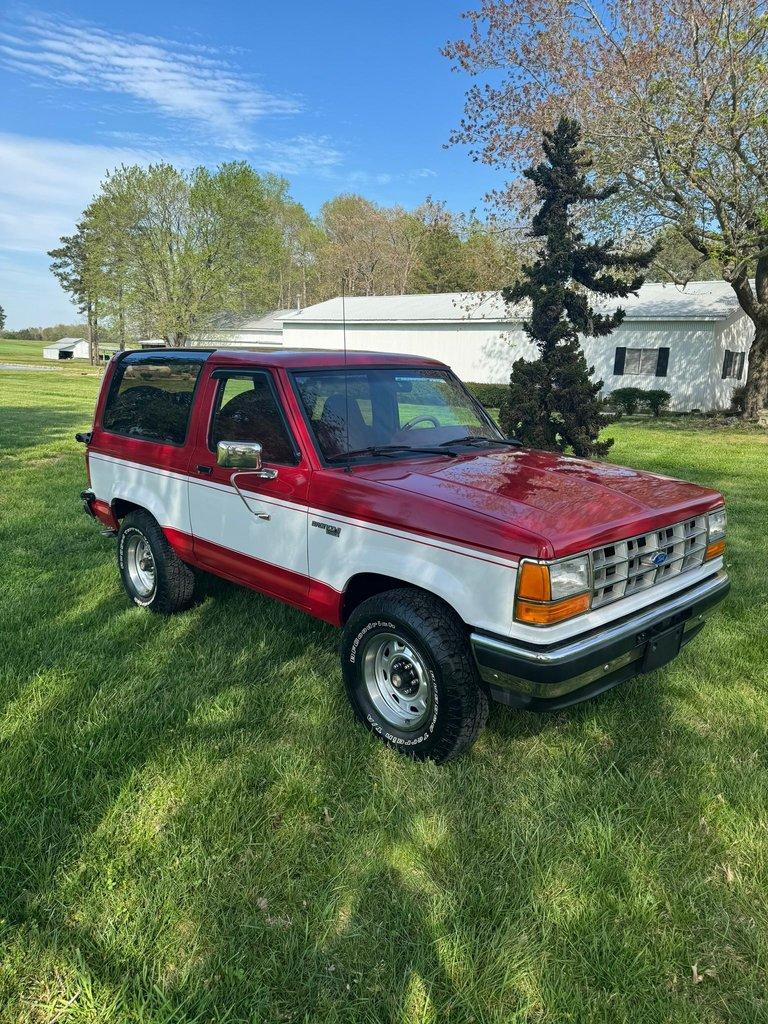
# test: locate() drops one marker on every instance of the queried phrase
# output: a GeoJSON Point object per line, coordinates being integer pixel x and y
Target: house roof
{"type": "Point", "coordinates": [698, 300]}
{"type": "Point", "coordinates": [268, 322]}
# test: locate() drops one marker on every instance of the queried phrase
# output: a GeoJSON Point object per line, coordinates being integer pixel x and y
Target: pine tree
{"type": "Point", "coordinates": [553, 402]}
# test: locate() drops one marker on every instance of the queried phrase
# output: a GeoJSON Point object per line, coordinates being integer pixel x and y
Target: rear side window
{"type": "Point", "coordinates": [247, 409]}
{"type": "Point", "coordinates": [150, 398]}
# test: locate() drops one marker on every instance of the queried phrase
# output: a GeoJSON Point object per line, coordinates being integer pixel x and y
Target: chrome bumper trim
{"type": "Point", "coordinates": [581, 646]}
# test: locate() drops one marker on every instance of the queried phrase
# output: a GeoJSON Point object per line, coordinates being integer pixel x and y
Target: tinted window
{"type": "Point", "coordinates": [247, 410]}
{"type": "Point", "coordinates": [151, 398]}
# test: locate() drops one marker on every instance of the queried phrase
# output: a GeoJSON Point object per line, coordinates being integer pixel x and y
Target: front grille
{"type": "Point", "coordinates": [626, 567]}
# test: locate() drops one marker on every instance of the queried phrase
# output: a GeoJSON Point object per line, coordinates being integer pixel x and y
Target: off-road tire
{"type": "Point", "coordinates": [174, 586]}
{"type": "Point", "coordinates": [460, 706]}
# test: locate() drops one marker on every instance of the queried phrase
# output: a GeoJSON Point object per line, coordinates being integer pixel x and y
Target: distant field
{"type": "Point", "coordinates": [193, 829]}
{"type": "Point", "coordinates": [32, 352]}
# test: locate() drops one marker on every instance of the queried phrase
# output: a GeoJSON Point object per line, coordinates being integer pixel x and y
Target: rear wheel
{"type": "Point", "coordinates": [153, 575]}
{"type": "Point", "coordinates": [410, 676]}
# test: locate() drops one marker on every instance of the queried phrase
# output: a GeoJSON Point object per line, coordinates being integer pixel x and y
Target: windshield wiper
{"type": "Point", "coordinates": [481, 439]}
{"type": "Point", "coordinates": [389, 449]}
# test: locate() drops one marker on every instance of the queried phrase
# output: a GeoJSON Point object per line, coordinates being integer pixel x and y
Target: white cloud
{"type": "Point", "coordinates": [186, 83]}
{"type": "Point", "coordinates": [45, 185]}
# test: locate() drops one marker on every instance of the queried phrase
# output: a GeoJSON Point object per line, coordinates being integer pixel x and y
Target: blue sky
{"type": "Point", "coordinates": [336, 96]}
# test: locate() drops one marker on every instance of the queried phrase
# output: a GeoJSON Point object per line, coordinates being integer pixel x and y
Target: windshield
{"type": "Point", "coordinates": [401, 409]}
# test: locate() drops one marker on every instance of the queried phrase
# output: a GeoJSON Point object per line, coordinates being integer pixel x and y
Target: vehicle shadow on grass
{"type": "Point", "coordinates": [27, 427]}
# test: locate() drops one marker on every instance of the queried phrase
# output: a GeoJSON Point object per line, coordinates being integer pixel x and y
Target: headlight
{"type": "Point", "coordinates": [716, 525]}
{"type": "Point", "coordinates": [569, 578]}
{"type": "Point", "coordinates": [550, 593]}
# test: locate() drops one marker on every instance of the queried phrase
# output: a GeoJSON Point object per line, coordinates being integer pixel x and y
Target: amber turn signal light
{"type": "Point", "coordinates": [533, 582]}
{"type": "Point", "coordinates": [714, 549]}
{"type": "Point", "coordinates": [547, 614]}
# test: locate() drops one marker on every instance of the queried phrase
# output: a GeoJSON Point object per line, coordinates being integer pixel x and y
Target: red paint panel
{"type": "Point", "coordinates": [514, 502]}
{"type": "Point", "coordinates": [311, 596]}
{"type": "Point", "coordinates": [104, 513]}
{"type": "Point", "coordinates": [182, 543]}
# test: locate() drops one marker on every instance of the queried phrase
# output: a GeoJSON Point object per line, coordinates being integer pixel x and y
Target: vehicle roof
{"type": "Point", "coordinates": [306, 359]}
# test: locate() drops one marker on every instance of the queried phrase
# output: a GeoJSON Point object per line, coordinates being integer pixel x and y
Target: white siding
{"type": "Point", "coordinates": [475, 351]}
{"type": "Point", "coordinates": [691, 360]}
{"type": "Point", "coordinates": [485, 352]}
{"type": "Point", "coordinates": [736, 334]}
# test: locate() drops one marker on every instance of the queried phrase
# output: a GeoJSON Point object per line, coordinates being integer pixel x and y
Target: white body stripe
{"type": "Point", "coordinates": [218, 514]}
{"type": "Point", "coordinates": [479, 585]}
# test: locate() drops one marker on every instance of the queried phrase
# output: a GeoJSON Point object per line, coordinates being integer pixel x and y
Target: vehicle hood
{"type": "Point", "coordinates": [571, 504]}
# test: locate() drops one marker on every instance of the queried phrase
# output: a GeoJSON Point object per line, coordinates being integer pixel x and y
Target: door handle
{"type": "Point", "coordinates": [205, 469]}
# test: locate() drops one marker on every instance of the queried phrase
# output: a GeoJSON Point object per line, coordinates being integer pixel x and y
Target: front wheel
{"type": "Point", "coordinates": [410, 677]}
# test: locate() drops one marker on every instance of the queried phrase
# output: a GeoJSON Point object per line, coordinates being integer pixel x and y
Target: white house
{"type": "Point", "coordinates": [690, 341]}
{"type": "Point", "coordinates": [66, 348]}
{"type": "Point", "coordinates": [249, 332]}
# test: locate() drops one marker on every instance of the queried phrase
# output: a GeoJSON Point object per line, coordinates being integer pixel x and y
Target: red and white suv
{"type": "Point", "coordinates": [376, 494]}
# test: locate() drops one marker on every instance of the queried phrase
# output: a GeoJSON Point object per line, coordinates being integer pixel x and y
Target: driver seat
{"type": "Point", "coordinates": [333, 425]}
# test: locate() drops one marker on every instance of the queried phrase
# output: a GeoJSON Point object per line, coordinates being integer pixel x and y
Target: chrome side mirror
{"type": "Point", "coordinates": [239, 454]}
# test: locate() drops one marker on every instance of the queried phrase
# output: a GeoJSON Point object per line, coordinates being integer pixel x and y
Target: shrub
{"type": "Point", "coordinates": [739, 400]}
{"type": "Point", "coordinates": [657, 400]}
{"type": "Point", "coordinates": [628, 400]}
{"type": "Point", "coordinates": [492, 396]}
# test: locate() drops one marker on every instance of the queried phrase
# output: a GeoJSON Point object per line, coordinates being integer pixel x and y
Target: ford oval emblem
{"type": "Point", "coordinates": [659, 558]}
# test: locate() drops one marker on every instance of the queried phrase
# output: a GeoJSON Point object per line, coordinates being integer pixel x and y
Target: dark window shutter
{"type": "Point", "coordinates": [727, 363]}
{"type": "Point", "coordinates": [618, 362]}
{"type": "Point", "coordinates": [739, 366]}
{"type": "Point", "coordinates": [662, 363]}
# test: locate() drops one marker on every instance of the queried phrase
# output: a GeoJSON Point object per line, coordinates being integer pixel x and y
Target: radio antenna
{"type": "Point", "coordinates": [346, 373]}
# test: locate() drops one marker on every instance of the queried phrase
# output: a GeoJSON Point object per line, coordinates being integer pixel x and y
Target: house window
{"type": "Point", "coordinates": [733, 365]}
{"type": "Point", "coordinates": [641, 360]}
{"type": "Point", "coordinates": [647, 362]}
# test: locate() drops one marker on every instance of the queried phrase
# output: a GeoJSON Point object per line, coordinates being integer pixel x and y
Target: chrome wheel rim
{"type": "Point", "coordinates": [140, 564]}
{"type": "Point", "coordinates": [397, 681]}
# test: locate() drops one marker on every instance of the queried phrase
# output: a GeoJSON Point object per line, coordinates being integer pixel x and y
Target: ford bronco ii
{"type": "Point", "coordinates": [375, 493]}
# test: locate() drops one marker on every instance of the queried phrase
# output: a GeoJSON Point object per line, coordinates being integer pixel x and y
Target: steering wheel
{"type": "Point", "coordinates": [420, 419]}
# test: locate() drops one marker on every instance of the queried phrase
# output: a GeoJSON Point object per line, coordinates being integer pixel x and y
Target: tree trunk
{"type": "Point", "coordinates": [756, 387]}
{"type": "Point", "coordinates": [91, 335]}
{"type": "Point", "coordinates": [121, 322]}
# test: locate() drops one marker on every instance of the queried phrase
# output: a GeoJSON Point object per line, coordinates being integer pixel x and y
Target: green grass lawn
{"type": "Point", "coordinates": [192, 828]}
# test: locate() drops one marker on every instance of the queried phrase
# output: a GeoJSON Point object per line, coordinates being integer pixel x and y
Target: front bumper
{"type": "Point", "coordinates": [555, 676]}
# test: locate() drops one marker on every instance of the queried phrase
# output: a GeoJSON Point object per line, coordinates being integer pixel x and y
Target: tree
{"type": "Point", "coordinates": [74, 266]}
{"type": "Point", "coordinates": [183, 248]}
{"type": "Point", "coordinates": [2, 319]}
{"type": "Point", "coordinates": [553, 402]}
{"type": "Point", "coordinates": [672, 97]}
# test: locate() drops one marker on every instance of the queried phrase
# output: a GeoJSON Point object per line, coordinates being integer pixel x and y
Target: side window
{"type": "Point", "coordinates": [247, 409]}
{"type": "Point", "coordinates": [150, 398]}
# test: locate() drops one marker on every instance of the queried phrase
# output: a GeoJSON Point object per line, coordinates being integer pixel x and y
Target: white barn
{"type": "Point", "coordinates": [691, 341]}
{"type": "Point", "coordinates": [66, 348]}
